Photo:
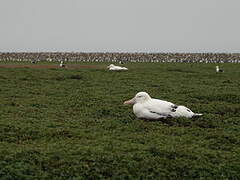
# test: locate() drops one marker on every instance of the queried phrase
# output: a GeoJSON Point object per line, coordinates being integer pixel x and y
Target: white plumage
{"type": "Point", "coordinates": [112, 67]}
{"type": "Point", "coordinates": [148, 108]}
{"type": "Point", "coordinates": [218, 69]}
{"type": "Point", "coordinates": [62, 64]}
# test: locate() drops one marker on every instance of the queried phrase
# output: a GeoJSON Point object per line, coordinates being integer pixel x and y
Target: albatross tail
{"type": "Point", "coordinates": [197, 115]}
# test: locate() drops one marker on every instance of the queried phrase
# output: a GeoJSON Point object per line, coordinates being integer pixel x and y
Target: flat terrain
{"type": "Point", "coordinates": [70, 123]}
{"type": "Point", "coordinates": [50, 66]}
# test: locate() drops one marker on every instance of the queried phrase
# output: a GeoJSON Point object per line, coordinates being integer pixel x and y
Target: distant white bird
{"type": "Point", "coordinates": [49, 59]}
{"type": "Point", "coordinates": [218, 69]}
{"type": "Point", "coordinates": [62, 64]}
{"type": "Point", "coordinates": [120, 62]}
{"type": "Point", "coordinates": [146, 107]}
{"type": "Point", "coordinates": [112, 67]}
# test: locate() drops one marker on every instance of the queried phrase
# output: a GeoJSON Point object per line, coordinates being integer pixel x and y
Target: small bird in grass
{"type": "Point", "coordinates": [112, 67]}
{"type": "Point", "coordinates": [62, 64]}
{"type": "Point", "coordinates": [145, 107]}
{"type": "Point", "coordinates": [218, 69]}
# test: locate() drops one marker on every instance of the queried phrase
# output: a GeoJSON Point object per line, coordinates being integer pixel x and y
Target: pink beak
{"type": "Point", "coordinates": [131, 101]}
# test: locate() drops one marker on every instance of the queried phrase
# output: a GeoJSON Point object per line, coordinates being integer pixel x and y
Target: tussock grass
{"type": "Point", "coordinates": [71, 123]}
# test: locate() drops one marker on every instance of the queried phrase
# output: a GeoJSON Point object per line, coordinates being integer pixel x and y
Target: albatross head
{"type": "Point", "coordinates": [140, 97]}
{"type": "Point", "coordinates": [110, 66]}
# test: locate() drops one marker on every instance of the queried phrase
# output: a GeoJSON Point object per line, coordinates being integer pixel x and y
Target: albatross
{"type": "Point", "coordinates": [61, 64]}
{"type": "Point", "coordinates": [218, 69]}
{"type": "Point", "coordinates": [145, 107]}
{"type": "Point", "coordinates": [112, 67]}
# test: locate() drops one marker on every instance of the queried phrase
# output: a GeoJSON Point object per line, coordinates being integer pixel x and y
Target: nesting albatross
{"type": "Point", "coordinates": [218, 69]}
{"type": "Point", "coordinates": [112, 67]}
{"type": "Point", "coordinates": [62, 65]}
{"type": "Point", "coordinates": [145, 107]}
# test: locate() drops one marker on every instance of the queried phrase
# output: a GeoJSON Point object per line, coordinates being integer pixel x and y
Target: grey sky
{"type": "Point", "coordinates": [120, 25]}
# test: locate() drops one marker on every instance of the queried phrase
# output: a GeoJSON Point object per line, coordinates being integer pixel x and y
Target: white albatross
{"type": "Point", "coordinates": [218, 69]}
{"type": "Point", "coordinates": [112, 67]}
{"type": "Point", "coordinates": [62, 64]}
{"type": "Point", "coordinates": [145, 107]}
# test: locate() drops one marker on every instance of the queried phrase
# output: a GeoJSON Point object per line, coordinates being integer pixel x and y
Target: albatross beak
{"type": "Point", "coordinates": [131, 101]}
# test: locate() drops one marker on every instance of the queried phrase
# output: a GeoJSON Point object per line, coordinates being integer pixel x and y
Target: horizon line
{"type": "Point", "coordinates": [115, 52]}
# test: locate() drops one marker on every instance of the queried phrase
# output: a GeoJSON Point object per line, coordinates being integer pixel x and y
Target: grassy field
{"type": "Point", "coordinates": [71, 123]}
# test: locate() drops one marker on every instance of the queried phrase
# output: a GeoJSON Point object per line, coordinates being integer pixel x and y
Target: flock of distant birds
{"type": "Point", "coordinates": [113, 67]}
{"type": "Point", "coordinates": [145, 107]}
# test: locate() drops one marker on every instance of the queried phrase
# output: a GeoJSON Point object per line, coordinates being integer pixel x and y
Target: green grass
{"type": "Point", "coordinates": [71, 123]}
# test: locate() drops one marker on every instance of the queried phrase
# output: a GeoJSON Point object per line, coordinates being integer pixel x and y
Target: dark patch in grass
{"type": "Point", "coordinates": [77, 77]}
{"type": "Point", "coordinates": [24, 79]}
{"type": "Point", "coordinates": [2, 77]}
{"type": "Point", "coordinates": [180, 70]}
{"type": "Point", "coordinates": [227, 82]}
{"type": "Point", "coordinates": [37, 105]}
{"type": "Point", "coordinates": [128, 119]}
{"type": "Point", "coordinates": [155, 85]}
{"type": "Point", "coordinates": [13, 104]}
{"type": "Point", "coordinates": [60, 78]}
{"type": "Point", "coordinates": [168, 121]}
{"type": "Point", "coordinates": [61, 133]}
{"type": "Point", "coordinates": [102, 113]}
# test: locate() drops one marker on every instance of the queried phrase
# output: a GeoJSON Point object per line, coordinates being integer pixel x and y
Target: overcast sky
{"type": "Point", "coordinates": [120, 25]}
